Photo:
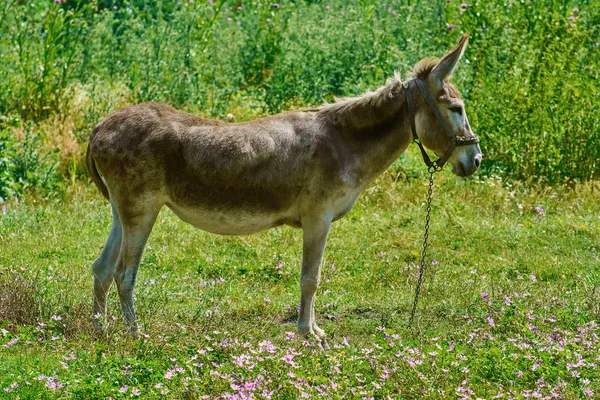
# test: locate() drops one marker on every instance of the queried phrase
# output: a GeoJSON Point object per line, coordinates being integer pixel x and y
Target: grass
{"type": "Point", "coordinates": [510, 306]}
{"type": "Point", "coordinates": [511, 299]}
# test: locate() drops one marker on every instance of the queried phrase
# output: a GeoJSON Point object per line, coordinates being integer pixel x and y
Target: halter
{"type": "Point", "coordinates": [432, 166]}
{"type": "Point", "coordinates": [457, 141]}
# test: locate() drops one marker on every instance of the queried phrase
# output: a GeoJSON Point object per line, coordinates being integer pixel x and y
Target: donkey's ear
{"type": "Point", "coordinates": [444, 69]}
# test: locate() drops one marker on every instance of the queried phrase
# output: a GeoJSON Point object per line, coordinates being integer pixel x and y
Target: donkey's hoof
{"type": "Point", "coordinates": [312, 331]}
{"type": "Point", "coordinates": [320, 341]}
{"type": "Point", "coordinates": [320, 333]}
{"type": "Point", "coordinates": [316, 335]}
{"type": "Point", "coordinates": [135, 335]}
{"type": "Point", "coordinates": [323, 343]}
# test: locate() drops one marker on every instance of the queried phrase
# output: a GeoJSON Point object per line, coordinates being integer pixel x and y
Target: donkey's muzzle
{"type": "Point", "coordinates": [477, 160]}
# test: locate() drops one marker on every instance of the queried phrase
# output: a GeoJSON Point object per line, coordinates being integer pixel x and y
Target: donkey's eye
{"type": "Point", "coordinates": [456, 109]}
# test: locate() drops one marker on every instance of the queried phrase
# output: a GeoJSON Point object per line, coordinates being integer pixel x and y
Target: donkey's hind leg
{"type": "Point", "coordinates": [103, 269]}
{"type": "Point", "coordinates": [135, 234]}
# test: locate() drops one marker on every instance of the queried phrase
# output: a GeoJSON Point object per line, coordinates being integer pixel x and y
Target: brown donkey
{"type": "Point", "coordinates": [300, 168]}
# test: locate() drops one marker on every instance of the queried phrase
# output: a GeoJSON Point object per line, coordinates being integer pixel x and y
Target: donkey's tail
{"type": "Point", "coordinates": [91, 165]}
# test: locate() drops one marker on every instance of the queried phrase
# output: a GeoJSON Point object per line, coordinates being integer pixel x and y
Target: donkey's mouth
{"type": "Point", "coordinates": [460, 170]}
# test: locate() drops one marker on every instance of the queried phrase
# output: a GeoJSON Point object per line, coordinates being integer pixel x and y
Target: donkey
{"type": "Point", "coordinates": [301, 168]}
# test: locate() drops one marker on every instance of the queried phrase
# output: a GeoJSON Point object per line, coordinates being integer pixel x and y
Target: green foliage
{"type": "Point", "coordinates": [529, 74]}
{"type": "Point", "coordinates": [25, 166]}
{"type": "Point", "coordinates": [41, 46]}
{"type": "Point", "coordinates": [534, 68]}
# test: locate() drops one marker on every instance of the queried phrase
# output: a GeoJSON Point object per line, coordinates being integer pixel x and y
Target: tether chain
{"type": "Point", "coordinates": [432, 170]}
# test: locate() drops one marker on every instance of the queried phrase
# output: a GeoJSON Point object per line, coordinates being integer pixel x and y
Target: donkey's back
{"type": "Point", "coordinates": [228, 178]}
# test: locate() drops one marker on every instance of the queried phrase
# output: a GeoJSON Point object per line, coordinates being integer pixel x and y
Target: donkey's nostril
{"type": "Point", "coordinates": [477, 160]}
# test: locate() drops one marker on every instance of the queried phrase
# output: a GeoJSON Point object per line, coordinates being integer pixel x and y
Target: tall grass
{"type": "Point", "coordinates": [529, 75]}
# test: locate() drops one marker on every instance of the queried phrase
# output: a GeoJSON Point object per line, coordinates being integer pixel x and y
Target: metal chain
{"type": "Point", "coordinates": [432, 170]}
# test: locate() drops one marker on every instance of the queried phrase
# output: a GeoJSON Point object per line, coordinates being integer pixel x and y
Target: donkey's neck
{"type": "Point", "coordinates": [373, 127]}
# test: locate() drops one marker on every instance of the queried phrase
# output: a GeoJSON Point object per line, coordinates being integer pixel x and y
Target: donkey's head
{"type": "Point", "coordinates": [435, 73]}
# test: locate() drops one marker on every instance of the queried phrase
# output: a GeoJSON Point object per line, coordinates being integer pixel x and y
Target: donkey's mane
{"type": "Point", "coordinates": [363, 110]}
{"type": "Point", "coordinates": [424, 67]}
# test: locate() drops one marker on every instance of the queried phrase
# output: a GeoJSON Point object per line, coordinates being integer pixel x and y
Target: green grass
{"type": "Point", "coordinates": [225, 304]}
{"type": "Point", "coordinates": [510, 306]}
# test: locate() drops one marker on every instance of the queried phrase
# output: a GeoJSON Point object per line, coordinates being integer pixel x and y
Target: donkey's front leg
{"type": "Point", "coordinates": [315, 235]}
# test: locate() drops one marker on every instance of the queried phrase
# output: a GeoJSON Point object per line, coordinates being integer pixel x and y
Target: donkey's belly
{"type": "Point", "coordinates": [227, 223]}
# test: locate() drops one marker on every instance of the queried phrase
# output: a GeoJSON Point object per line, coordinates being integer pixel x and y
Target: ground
{"type": "Point", "coordinates": [510, 303]}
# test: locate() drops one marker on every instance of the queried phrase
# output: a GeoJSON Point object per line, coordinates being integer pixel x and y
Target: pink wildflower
{"type": "Point", "coordinates": [540, 210]}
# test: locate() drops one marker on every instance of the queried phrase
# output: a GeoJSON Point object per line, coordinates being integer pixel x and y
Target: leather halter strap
{"type": "Point", "coordinates": [457, 141]}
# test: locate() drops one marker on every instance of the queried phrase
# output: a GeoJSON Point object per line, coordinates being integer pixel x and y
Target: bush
{"type": "Point", "coordinates": [529, 75]}
{"type": "Point", "coordinates": [534, 73]}
{"type": "Point", "coordinates": [25, 166]}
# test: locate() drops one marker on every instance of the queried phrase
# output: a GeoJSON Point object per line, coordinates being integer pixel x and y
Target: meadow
{"type": "Point", "coordinates": [511, 298]}
{"type": "Point", "coordinates": [509, 307]}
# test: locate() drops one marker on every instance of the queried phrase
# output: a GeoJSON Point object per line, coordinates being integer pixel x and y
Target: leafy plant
{"type": "Point", "coordinates": [529, 74]}
{"type": "Point", "coordinates": [25, 166]}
